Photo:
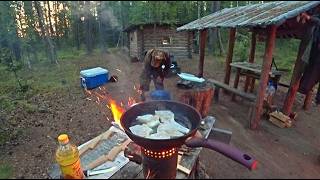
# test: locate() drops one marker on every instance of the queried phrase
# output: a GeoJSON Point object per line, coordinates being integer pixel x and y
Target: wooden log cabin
{"type": "Point", "coordinates": [142, 37]}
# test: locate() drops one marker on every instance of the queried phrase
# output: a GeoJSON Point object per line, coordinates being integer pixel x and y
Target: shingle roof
{"type": "Point", "coordinates": [256, 15]}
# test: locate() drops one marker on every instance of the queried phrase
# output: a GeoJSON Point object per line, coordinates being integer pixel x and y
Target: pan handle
{"type": "Point", "coordinates": [225, 149]}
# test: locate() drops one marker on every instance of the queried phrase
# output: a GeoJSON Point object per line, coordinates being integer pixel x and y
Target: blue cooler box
{"type": "Point", "coordinates": [92, 78]}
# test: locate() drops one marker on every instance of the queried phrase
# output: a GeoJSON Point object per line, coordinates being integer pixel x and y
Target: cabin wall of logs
{"type": "Point", "coordinates": [163, 37]}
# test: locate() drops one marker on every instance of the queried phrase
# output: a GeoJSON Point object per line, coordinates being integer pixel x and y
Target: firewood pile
{"type": "Point", "coordinates": [281, 120]}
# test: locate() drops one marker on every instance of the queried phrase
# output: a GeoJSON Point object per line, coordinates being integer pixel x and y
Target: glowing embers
{"type": "Point", "coordinates": [160, 154]}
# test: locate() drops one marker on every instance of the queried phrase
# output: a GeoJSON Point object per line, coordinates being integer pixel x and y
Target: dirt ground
{"type": "Point", "coordinates": [281, 153]}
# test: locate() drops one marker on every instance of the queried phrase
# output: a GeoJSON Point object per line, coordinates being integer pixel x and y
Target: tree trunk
{"type": "Point", "coordinates": [56, 17]}
{"type": "Point", "coordinates": [222, 51]}
{"type": "Point", "coordinates": [102, 28]}
{"type": "Point", "coordinates": [65, 24]}
{"type": "Point", "coordinates": [213, 33]}
{"type": "Point", "coordinates": [50, 21]}
{"type": "Point", "coordinates": [122, 22]}
{"type": "Point", "coordinates": [45, 34]}
{"type": "Point", "coordinates": [56, 24]}
{"type": "Point", "coordinates": [76, 23]}
{"type": "Point", "coordinates": [88, 24]}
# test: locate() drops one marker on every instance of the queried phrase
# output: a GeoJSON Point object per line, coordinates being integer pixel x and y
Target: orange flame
{"type": "Point", "coordinates": [117, 111]}
{"type": "Point", "coordinates": [116, 108]}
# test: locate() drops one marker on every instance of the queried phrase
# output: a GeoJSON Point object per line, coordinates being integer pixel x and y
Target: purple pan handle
{"type": "Point", "coordinates": [225, 149]}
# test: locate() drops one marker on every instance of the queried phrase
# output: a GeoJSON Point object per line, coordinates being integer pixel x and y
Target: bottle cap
{"type": "Point", "coordinates": [63, 138]}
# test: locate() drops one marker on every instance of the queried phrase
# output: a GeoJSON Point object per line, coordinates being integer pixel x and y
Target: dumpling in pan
{"type": "Point", "coordinates": [179, 127]}
{"type": "Point", "coordinates": [149, 119]}
{"type": "Point", "coordinates": [159, 136]}
{"type": "Point", "coordinates": [141, 130]}
{"type": "Point", "coordinates": [169, 129]}
{"type": "Point", "coordinates": [165, 115]}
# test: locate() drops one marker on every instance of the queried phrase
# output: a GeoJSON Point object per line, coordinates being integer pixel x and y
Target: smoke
{"type": "Point", "coordinates": [99, 11]}
{"type": "Point", "coordinates": [107, 16]}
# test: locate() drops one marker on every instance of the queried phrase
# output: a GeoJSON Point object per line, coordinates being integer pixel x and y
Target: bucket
{"type": "Point", "coordinates": [160, 95]}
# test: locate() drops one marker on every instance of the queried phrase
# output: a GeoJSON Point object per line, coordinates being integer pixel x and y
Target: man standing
{"type": "Point", "coordinates": [156, 66]}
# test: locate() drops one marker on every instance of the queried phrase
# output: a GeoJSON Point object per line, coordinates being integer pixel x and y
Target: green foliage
{"type": "Point", "coordinates": [5, 171]}
{"type": "Point", "coordinates": [242, 45]}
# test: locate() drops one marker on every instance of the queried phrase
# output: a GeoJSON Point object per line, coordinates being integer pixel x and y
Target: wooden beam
{"type": "Point", "coordinates": [266, 66]}
{"type": "Point", "coordinates": [251, 59]}
{"type": "Point", "coordinates": [308, 100]}
{"type": "Point", "coordinates": [203, 38]}
{"type": "Point", "coordinates": [232, 38]}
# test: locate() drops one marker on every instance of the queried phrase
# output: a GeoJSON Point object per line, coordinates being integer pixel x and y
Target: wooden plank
{"type": "Point", "coordinates": [129, 171]}
{"type": "Point", "coordinates": [203, 38]}
{"type": "Point", "coordinates": [89, 157]}
{"type": "Point", "coordinates": [277, 122]}
{"type": "Point", "coordinates": [257, 68]}
{"type": "Point", "coordinates": [267, 61]}
{"type": "Point", "coordinates": [280, 116]}
{"type": "Point", "coordinates": [247, 96]}
{"type": "Point", "coordinates": [232, 38]}
{"type": "Point", "coordinates": [251, 57]}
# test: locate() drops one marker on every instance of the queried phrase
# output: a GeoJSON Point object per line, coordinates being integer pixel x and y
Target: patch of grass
{"type": "Point", "coordinates": [4, 137]}
{"type": "Point", "coordinates": [44, 77]}
{"type": "Point", "coordinates": [6, 103]}
{"type": "Point", "coordinates": [5, 171]}
{"type": "Point", "coordinates": [70, 53]}
{"type": "Point", "coordinates": [30, 108]}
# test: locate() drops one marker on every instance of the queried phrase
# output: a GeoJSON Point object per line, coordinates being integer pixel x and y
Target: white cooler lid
{"type": "Point", "coordinates": [93, 72]}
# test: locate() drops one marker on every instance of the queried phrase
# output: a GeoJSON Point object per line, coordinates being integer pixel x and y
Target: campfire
{"type": "Point", "coordinates": [117, 107]}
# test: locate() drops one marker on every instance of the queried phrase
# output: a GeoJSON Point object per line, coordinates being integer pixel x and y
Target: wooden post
{"type": "Point", "coordinates": [203, 38]}
{"type": "Point", "coordinates": [252, 84]}
{"type": "Point", "coordinates": [232, 38]}
{"type": "Point", "coordinates": [295, 79]}
{"type": "Point", "coordinates": [251, 59]}
{"type": "Point", "coordinates": [267, 61]}
{"type": "Point", "coordinates": [318, 95]}
{"type": "Point", "coordinates": [308, 100]}
{"type": "Point", "coordinates": [236, 82]}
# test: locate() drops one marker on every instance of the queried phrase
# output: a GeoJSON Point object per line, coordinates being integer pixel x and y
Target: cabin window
{"type": "Point", "coordinates": [166, 41]}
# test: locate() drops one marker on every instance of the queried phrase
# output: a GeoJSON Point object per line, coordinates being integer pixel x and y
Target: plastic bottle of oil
{"type": "Point", "coordinates": [67, 156]}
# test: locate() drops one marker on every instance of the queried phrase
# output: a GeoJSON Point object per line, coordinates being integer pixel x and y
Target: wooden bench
{"type": "Point", "coordinates": [218, 85]}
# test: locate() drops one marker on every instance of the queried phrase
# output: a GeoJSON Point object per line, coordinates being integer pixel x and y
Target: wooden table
{"type": "Point", "coordinates": [134, 171]}
{"type": "Point", "coordinates": [253, 71]}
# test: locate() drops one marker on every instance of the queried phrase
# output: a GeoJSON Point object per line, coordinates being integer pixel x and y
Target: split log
{"type": "Point", "coordinates": [199, 98]}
